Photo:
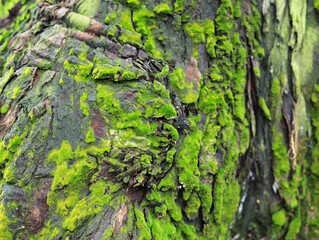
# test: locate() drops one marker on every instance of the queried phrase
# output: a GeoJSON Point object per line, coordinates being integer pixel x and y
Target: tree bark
{"type": "Point", "coordinates": [138, 119]}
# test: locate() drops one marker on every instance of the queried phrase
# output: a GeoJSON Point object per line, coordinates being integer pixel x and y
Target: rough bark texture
{"type": "Point", "coordinates": [142, 119]}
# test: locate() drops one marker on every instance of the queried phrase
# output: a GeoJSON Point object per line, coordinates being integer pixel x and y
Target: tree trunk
{"type": "Point", "coordinates": [140, 119]}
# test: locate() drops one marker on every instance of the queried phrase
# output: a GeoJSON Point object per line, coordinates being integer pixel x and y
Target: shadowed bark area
{"type": "Point", "coordinates": [140, 119]}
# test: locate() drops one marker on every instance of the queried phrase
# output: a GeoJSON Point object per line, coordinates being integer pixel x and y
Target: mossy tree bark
{"type": "Point", "coordinates": [140, 119]}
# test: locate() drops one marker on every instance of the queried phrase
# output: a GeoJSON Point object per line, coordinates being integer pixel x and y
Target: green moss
{"type": "Point", "coordinates": [134, 3]}
{"type": "Point", "coordinates": [143, 20]}
{"type": "Point", "coordinates": [160, 89]}
{"type": "Point", "coordinates": [281, 161]}
{"type": "Point", "coordinates": [143, 230]}
{"type": "Point", "coordinates": [210, 46]}
{"type": "Point", "coordinates": [172, 130]}
{"type": "Point", "coordinates": [218, 196]}
{"type": "Point", "coordinates": [15, 143]}
{"type": "Point", "coordinates": [5, 222]}
{"type": "Point", "coordinates": [88, 7]}
{"type": "Point", "coordinates": [196, 30]}
{"type": "Point", "coordinates": [112, 31]}
{"type": "Point", "coordinates": [16, 92]}
{"type": "Point", "coordinates": [74, 169]}
{"type": "Point", "coordinates": [275, 91]}
{"type": "Point", "coordinates": [192, 206]}
{"type": "Point", "coordinates": [170, 155]}
{"type": "Point", "coordinates": [125, 20]}
{"type": "Point", "coordinates": [294, 228]}
{"type": "Point", "coordinates": [187, 162]}
{"type": "Point", "coordinates": [240, 107]}
{"type": "Point", "coordinates": [209, 102]}
{"type": "Point", "coordinates": [106, 71]}
{"type": "Point", "coordinates": [6, 6]}
{"type": "Point", "coordinates": [91, 205]}
{"type": "Point", "coordinates": [78, 21]}
{"type": "Point", "coordinates": [128, 36]}
{"type": "Point", "coordinates": [279, 218]}
{"type": "Point", "coordinates": [128, 75]}
{"type": "Point", "coordinates": [231, 202]}
{"type": "Point", "coordinates": [260, 52]}
{"type": "Point", "coordinates": [159, 108]}
{"type": "Point", "coordinates": [107, 234]}
{"type": "Point", "coordinates": [184, 89]}
{"type": "Point", "coordinates": [179, 6]}
{"type": "Point", "coordinates": [209, 27]}
{"type": "Point", "coordinates": [61, 82]}
{"type": "Point", "coordinates": [163, 8]}
{"type": "Point", "coordinates": [8, 154]}
{"type": "Point", "coordinates": [5, 108]}
{"type": "Point", "coordinates": [9, 174]}
{"type": "Point", "coordinates": [316, 4]}
{"type": "Point", "coordinates": [84, 106]}
{"type": "Point", "coordinates": [168, 182]}
{"type": "Point", "coordinates": [252, 23]}
{"type": "Point", "coordinates": [206, 198]}
{"type": "Point", "coordinates": [90, 136]}
{"type": "Point", "coordinates": [237, 9]}
{"type": "Point", "coordinates": [151, 48]}
{"type": "Point", "coordinates": [187, 230]}
{"type": "Point", "coordinates": [257, 72]}
{"type": "Point", "coordinates": [100, 149]}
{"type": "Point", "coordinates": [80, 70]}
{"type": "Point", "coordinates": [262, 104]}
{"type": "Point", "coordinates": [6, 77]}
{"type": "Point", "coordinates": [161, 228]}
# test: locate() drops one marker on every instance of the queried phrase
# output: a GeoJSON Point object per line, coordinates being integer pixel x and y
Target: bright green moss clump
{"type": "Point", "coordinates": [279, 217]}
{"type": "Point", "coordinates": [4, 108]}
{"type": "Point", "coordinates": [16, 92]}
{"type": "Point", "coordinates": [316, 4]}
{"type": "Point", "coordinates": [179, 6]}
{"type": "Point", "coordinates": [90, 136]}
{"type": "Point", "coordinates": [196, 30]}
{"type": "Point", "coordinates": [80, 70]}
{"type": "Point", "coordinates": [134, 3]}
{"type": "Point", "coordinates": [294, 227]}
{"type": "Point", "coordinates": [163, 8]}
{"type": "Point", "coordinates": [257, 72]}
{"type": "Point", "coordinates": [275, 92]}
{"type": "Point", "coordinates": [143, 20]}
{"type": "Point", "coordinates": [263, 106]}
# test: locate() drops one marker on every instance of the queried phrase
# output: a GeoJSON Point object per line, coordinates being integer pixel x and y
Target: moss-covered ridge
{"type": "Point", "coordinates": [128, 143]}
